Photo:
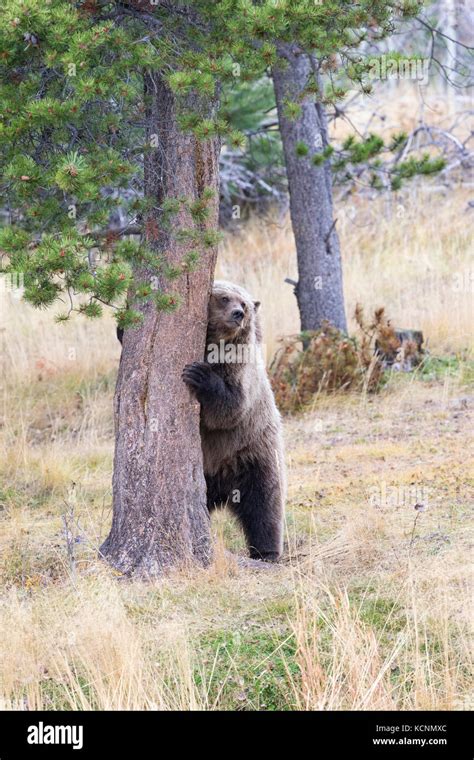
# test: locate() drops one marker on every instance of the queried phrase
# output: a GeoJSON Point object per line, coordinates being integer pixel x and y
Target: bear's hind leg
{"type": "Point", "coordinates": [217, 491]}
{"type": "Point", "coordinates": [258, 504]}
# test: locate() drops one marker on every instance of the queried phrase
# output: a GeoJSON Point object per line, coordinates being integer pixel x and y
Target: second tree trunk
{"type": "Point", "coordinates": [319, 290]}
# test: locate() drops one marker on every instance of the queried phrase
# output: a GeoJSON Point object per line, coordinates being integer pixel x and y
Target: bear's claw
{"type": "Point", "coordinates": [196, 374]}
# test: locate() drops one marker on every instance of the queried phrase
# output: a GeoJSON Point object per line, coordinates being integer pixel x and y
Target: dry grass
{"type": "Point", "coordinates": [371, 608]}
{"type": "Point", "coordinates": [422, 271]}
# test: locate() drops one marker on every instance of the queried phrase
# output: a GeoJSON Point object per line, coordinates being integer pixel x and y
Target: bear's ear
{"type": "Point", "coordinates": [256, 305]}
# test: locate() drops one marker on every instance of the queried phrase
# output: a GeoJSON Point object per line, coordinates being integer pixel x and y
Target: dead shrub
{"type": "Point", "coordinates": [328, 360]}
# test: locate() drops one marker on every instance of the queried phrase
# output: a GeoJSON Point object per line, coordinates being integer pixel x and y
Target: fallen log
{"type": "Point", "coordinates": [406, 355]}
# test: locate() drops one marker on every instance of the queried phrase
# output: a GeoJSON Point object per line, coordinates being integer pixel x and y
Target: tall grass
{"type": "Point", "coordinates": [374, 654]}
{"type": "Point", "coordinates": [83, 646]}
{"type": "Point", "coordinates": [77, 649]}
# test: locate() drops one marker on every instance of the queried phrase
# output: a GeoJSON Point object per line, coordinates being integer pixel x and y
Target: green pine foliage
{"type": "Point", "coordinates": [72, 124]}
{"type": "Point", "coordinates": [384, 163]}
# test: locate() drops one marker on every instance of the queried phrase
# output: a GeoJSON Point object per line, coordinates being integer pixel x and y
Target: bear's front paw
{"type": "Point", "coordinates": [199, 377]}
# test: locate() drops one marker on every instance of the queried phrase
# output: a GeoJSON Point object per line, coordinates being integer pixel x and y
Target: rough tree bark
{"type": "Point", "coordinates": [160, 517]}
{"type": "Point", "coordinates": [319, 290]}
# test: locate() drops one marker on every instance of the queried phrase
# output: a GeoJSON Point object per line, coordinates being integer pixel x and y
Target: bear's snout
{"type": "Point", "coordinates": [238, 315]}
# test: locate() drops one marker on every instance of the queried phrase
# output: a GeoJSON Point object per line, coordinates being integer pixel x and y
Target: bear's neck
{"type": "Point", "coordinates": [243, 338]}
{"type": "Point", "coordinates": [242, 350]}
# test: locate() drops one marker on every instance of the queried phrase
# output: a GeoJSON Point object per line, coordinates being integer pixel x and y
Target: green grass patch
{"type": "Point", "coordinates": [251, 668]}
{"type": "Point", "coordinates": [438, 367]}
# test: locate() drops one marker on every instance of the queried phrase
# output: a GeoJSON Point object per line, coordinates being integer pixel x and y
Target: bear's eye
{"type": "Point", "coordinates": [243, 305]}
{"type": "Point", "coordinates": [224, 299]}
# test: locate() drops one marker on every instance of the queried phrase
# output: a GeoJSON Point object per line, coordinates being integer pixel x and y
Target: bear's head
{"type": "Point", "coordinates": [232, 314]}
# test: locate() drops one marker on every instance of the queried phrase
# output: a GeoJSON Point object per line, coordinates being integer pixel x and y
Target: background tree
{"type": "Point", "coordinates": [319, 289]}
{"type": "Point", "coordinates": [317, 69]}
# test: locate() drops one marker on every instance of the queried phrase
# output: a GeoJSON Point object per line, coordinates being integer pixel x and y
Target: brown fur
{"type": "Point", "coordinates": [240, 425]}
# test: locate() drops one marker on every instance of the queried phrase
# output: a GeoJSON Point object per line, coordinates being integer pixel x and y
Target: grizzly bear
{"type": "Point", "coordinates": [241, 432]}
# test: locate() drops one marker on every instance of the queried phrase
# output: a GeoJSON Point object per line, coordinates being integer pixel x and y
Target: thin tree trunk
{"type": "Point", "coordinates": [160, 517]}
{"type": "Point", "coordinates": [319, 291]}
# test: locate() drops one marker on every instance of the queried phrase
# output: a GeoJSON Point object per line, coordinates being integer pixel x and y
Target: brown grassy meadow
{"type": "Point", "coordinates": [371, 608]}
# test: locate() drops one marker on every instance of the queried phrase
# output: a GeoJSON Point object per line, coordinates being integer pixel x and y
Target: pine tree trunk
{"type": "Point", "coordinates": [160, 517]}
{"type": "Point", "coordinates": [319, 290]}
